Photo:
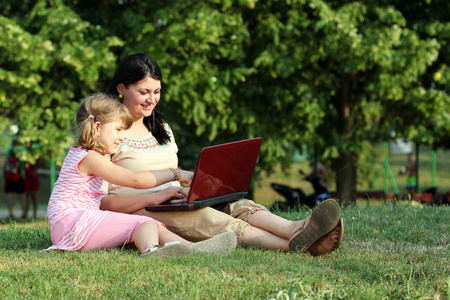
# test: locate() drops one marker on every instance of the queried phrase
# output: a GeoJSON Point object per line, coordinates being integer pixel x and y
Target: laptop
{"type": "Point", "coordinates": [223, 174]}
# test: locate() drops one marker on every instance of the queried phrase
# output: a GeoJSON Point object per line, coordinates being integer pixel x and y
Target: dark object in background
{"type": "Point", "coordinates": [296, 197]}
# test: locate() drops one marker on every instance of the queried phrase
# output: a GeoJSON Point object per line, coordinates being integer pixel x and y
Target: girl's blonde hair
{"type": "Point", "coordinates": [101, 108]}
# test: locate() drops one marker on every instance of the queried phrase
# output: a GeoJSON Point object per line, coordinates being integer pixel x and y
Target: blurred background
{"type": "Point", "coordinates": [342, 82]}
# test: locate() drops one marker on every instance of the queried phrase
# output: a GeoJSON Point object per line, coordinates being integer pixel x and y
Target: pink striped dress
{"type": "Point", "coordinates": [75, 200]}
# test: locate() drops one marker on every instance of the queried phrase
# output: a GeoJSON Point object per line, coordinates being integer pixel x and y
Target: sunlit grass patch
{"type": "Point", "coordinates": [388, 252]}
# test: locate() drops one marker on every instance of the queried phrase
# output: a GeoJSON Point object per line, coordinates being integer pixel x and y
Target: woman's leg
{"type": "Point", "coordinates": [257, 237]}
{"type": "Point", "coordinates": [204, 223]}
{"type": "Point", "coordinates": [266, 230]}
{"type": "Point", "coordinates": [271, 231]}
{"type": "Point", "coordinates": [277, 225]}
{"type": "Point", "coordinates": [260, 217]}
{"type": "Point", "coordinates": [198, 224]}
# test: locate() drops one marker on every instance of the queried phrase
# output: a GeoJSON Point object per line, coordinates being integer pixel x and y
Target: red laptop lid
{"type": "Point", "coordinates": [224, 169]}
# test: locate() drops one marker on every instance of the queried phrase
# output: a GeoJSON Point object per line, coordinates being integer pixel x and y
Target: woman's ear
{"type": "Point", "coordinates": [120, 88]}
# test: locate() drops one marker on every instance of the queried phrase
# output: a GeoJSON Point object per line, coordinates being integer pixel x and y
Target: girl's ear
{"type": "Point", "coordinates": [97, 126]}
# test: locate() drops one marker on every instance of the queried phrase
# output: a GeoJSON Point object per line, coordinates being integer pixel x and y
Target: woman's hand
{"type": "Point", "coordinates": [170, 193]}
{"type": "Point", "coordinates": [186, 177]}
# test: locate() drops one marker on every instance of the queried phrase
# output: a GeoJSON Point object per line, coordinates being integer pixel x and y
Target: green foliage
{"type": "Point", "coordinates": [49, 60]}
{"type": "Point", "coordinates": [337, 76]}
{"type": "Point", "coordinates": [201, 51]}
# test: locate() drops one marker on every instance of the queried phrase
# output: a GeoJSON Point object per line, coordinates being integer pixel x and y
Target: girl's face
{"type": "Point", "coordinates": [142, 97]}
{"type": "Point", "coordinates": [110, 135]}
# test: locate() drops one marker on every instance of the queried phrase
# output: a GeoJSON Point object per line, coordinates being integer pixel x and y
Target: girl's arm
{"type": "Point", "coordinates": [131, 204]}
{"type": "Point", "coordinates": [96, 164]}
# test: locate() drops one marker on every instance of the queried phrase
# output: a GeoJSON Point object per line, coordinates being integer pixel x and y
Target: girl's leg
{"type": "Point", "coordinates": [150, 234]}
{"type": "Point", "coordinates": [174, 245]}
{"type": "Point", "coordinates": [146, 236]}
{"type": "Point", "coordinates": [221, 243]}
{"type": "Point", "coordinates": [166, 236]}
{"type": "Point", "coordinates": [117, 229]}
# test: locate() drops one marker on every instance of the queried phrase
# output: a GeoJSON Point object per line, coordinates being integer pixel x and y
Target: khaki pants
{"type": "Point", "coordinates": [204, 223]}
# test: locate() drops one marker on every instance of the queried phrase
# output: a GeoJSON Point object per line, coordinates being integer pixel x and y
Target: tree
{"type": "Point", "coordinates": [430, 20]}
{"type": "Point", "coordinates": [49, 60]}
{"type": "Point", "coordinates": [337, 76]}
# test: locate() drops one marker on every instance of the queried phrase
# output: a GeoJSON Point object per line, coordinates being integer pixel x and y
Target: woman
{"type": "Point", "coordinates": [149, 143]}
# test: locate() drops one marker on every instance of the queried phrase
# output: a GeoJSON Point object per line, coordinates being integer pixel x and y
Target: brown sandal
{"type": "Point", "coordinates": [323, 219]}
{"type": "Point", "coordinates": [315, 250]}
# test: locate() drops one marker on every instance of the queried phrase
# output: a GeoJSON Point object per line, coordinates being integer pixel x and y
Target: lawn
{"type": "Point", "coordinates": [398, 250]}
{"type": "Point", "coordinates": [393, 251]}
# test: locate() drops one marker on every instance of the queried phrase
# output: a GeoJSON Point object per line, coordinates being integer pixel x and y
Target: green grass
{"type": "Point", "coordinates": [394, 251]}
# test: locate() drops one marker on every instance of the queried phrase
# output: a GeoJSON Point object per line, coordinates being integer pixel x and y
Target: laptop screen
{"type": "Point", "coordinates": [224, 169]}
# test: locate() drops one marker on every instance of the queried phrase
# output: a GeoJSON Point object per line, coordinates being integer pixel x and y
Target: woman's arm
{"type": "Point", "coordinates": [131, 204]}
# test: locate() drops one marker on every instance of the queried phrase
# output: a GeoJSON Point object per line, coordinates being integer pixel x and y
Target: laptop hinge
{"type": "Point", "coordinates": [220, 199]}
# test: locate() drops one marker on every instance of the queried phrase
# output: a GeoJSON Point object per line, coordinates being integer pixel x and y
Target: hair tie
{"type": "Point", "coordinates": [91, 116]}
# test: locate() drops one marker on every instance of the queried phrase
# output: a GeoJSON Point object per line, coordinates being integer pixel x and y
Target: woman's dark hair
{"type": "Point", "coordinates": [132, 69]}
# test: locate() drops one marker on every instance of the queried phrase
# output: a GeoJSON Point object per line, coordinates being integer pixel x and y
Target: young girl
{"type": "Point", "coordinates": [77, 223]}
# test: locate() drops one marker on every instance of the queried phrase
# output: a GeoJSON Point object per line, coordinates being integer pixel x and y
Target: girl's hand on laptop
{"type": "Point", "coordinates": [186, 177]}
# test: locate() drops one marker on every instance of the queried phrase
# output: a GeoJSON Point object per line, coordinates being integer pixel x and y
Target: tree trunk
{"type": "Point", "coordinates": [346, 170]}
{"type": "Point", "coordinates": [346, 164]}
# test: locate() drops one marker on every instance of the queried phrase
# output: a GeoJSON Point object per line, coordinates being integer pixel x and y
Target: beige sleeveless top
{"type": "Point", "coordinates": [142, 154]}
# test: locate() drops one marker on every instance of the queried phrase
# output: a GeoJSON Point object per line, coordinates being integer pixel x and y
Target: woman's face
{"type": "Point", "coordinates": [142, 97]}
